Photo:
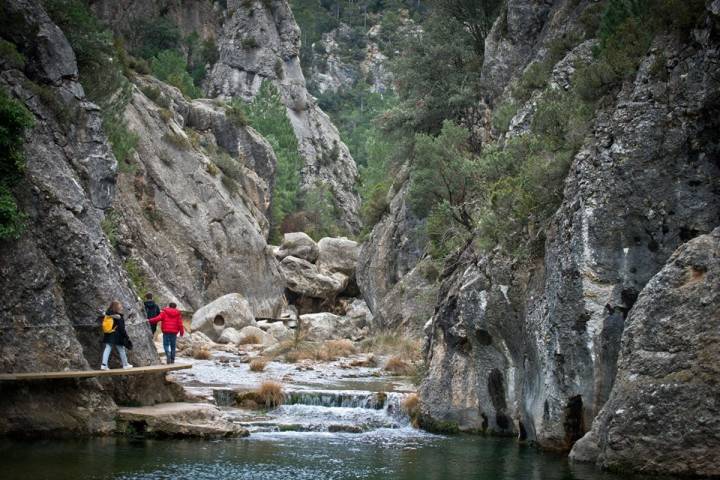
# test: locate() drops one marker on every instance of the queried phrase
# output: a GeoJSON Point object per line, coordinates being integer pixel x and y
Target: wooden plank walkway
{"type": "Point", "coordinates": [115, 372]}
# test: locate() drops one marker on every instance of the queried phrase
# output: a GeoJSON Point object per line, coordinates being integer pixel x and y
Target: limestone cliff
{"type": "Point", "coordinates": [662, 415]}
{"type": "Point", "coordinates": [530, 349]}
{"type": "Point", "coordinates": [192, 213]}
{"type": "Point", "coordinates": [62, 272]}
{"type": "Point", "coordinates": [261, 41]}
{"type": "Point", "coordinates": [399, 289]}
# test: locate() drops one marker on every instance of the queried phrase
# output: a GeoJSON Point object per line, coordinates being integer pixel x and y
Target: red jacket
{"type": "Point", "coordinates": [171, 319]}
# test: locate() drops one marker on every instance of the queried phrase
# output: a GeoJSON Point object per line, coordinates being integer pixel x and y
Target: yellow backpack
{"type": "Point", "coordinates": [108, 324]}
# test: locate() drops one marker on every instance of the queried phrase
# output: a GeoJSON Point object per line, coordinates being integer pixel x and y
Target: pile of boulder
{"type": "Point", "coordinates": [322, 296]}
{"type": "Point", "coordinates": [317, 274]}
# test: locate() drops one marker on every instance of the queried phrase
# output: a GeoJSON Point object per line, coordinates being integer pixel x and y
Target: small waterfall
{"type": "Point", "coordinates": [224, 397]}
{"type": "Point", "coordinates": [344, 399]}
{"type": "Point", "coordinates": [394, 409]}
{"type": "Point", "coordinates": [339, 411]}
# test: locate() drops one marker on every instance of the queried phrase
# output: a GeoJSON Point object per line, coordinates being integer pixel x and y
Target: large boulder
{"type": "Point", "coordinates": [359, 313]}
{"type": "Point", "coordinates": [338, 255]}
{"type": "Point", "coordinates": [663, 415]}
{"type": "Point", "coordinates": [319, 327]}
{"type": "Point", "coordinates": [264, 339]}
{"type": "Point", "coordinates": [195, 340]}
{"type": "Point", "coordinates": [199, 420]}
{"type": "Point", "coordinates": [299, 245]}
{"type": "Point", "coordinates": [280, 331]}
{"type": "Point", "coordinates": [229, 335]}
{"type": "Point", "coordinates": [231, 310]}
{"type": "Point", "coordinates": [306, 279]}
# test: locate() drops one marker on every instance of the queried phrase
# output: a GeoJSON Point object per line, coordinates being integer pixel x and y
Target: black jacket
{"type": "Point", "coordinates": [119, 336]}
{"type": "Point", "coordinates": [151, 309]}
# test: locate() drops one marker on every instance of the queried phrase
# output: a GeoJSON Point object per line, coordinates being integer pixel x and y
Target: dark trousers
{"type": "Point", "coordinates": [153, 328]}
{"type": "Point", "coordinates": [169, 342]}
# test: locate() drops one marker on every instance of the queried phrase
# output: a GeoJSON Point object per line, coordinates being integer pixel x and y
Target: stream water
{"type": "Point", "coordinates": [335, 424]}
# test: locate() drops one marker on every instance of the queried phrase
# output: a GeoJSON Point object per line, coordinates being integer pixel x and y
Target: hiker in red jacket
{"type": "Point", "coordinates": [171, 320]}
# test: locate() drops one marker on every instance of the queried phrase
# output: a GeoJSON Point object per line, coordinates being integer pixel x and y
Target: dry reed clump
{"type": "Point", "coordinates": [390, 343]}
{"type": "Point", "coordinates": [250, 339]}
{"type": "Point", "coordinates": [258, 365]}
{"type": "Point", "coordinates": [270, 394]}
{"type": "Point", "coordinates": [367, 362]}
{"type": "Point", "coordinates": [332, 349]}
{"type": "Point", "coordinates": [398, 366]}
{"type": "Point", "coordinates": [328, 351]}
{"type": "Point", "coordinates": [411, 406]}
{"type": "Point", "coordinates": [200, 352]}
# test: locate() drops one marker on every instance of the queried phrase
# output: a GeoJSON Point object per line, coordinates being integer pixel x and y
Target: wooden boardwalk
{"type": "Point", "coordinates": [115, 372]}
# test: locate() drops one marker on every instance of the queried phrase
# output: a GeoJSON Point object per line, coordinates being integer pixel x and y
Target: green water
{"type": "Point", "coordinates": [278, 456]}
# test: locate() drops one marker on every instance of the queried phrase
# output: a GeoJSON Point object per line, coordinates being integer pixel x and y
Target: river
{"type": "Point", "coordinates": [309, 437]}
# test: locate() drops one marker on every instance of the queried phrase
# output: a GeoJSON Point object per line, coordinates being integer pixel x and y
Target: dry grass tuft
{"type": "Point", "coordinates": [251, 339]}
{"type": "Point", "coordinates": [200, 352]}
{"type": "Point", "coordinates": [411, 406]}
{"type": "Point", "coordinates": [368, 362]}
{"type": "Point", "coordinates": [390, 343]}
{"type": "Point", "coordinates": [258, 365]}
{"type": "Point", "coordinates": [398, 366]}
{"type": "Point", "coordinates": [270, 394]}
{"type": "Point", "coordinates": [338, 348]}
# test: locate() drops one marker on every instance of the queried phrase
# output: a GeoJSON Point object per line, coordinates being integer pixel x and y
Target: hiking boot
{"type": "Point", "coordinates": [128, 366]}
{"type": "Point", "coordinates": [104, 367]}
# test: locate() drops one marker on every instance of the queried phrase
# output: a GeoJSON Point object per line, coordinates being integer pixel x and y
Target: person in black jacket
{"type": "Point", "coordinates": [118, 337]}
{"type": "Point", "coordinates": [151, 310]}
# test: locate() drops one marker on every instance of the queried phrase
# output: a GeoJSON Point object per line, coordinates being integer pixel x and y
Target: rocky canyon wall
{"type": "Point", "coordinates": [261, 41]}
{"type": "Point", "coordinates": [531, 349]}
{"type": "Point", "coordinates": [61, 272]}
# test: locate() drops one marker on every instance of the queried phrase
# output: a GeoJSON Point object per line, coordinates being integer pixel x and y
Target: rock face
{"type": "Point", "coordinates": [319, 327]}
{"type": "Point", "coordinates": [338, 255]}
{"type": "Point", "coordinates": [299, 245]}
{"type": "Point", "coordinates": [177, 420]}
{"type": "Point", "coordinates": [306, 279]}
{"type": "Point", "coordinates": [192, 214]}
{"type": "Point", "coordinates": [261, 41]}
{"type": "Point", "coordinates": [59, 275]}
{"type": "Point", "coordinates": [663, 415]}
{"type": "Point", "coordinates": [228, 311]}
{"type": "Point", "coordinates": [263, 338]}
{"type": "Point", "coordinates": [531, 349]}
{"type": "Point", "coordinates": [386, 268]}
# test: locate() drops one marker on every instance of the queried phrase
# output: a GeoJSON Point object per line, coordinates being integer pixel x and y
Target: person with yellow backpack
{"type": "Point", "coordinates": [114, 333]}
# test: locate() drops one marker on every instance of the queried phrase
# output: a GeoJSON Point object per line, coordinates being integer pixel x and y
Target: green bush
{"type": "Point", "coordinates": [15, 120]}
{"type": "Point", "coordinates": [176, 140]}
{"type": "Point", "coordinates": [101, 70]}
{"type": "Point", "coordinates": [228, 166]}
{"type": "Point", "coordinates": [375, 180]}
{"type": "Point", "coordinates": [153, 35]}
{"type": "Point", "coordinates": [235, 112]}
{"type": "Point", "coordinates": [170, 66]}
{"type": "Point", "coordinates": [138, 281]}
{"type": "Point", "coordinates": [534, 78]}
{"type": "Point", "coordinates": [155, 94]}
{"type": "Point", "coordinates": [503, 115]}
{"type": "Point", "coordinates": [109, 226]}
{"type": "Point", "coordinates": [267, 114]}
{"type": "Point", "coordinates": [320, 209]}
{"type": "Point", "coordinates": [626, 30]}
{"type": "Point", "coordinates": [12, 220]}
{"type": "Point", "coordinates": [444, 234]}
{"type": "Point", "coordinates": [101, 74]}
{"type": "Point", "coordinates": [122, 140]}
{"type": "Point", "coordinates": [9, 53]}
{"type": "Point", "coordinates": [249, 43]}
